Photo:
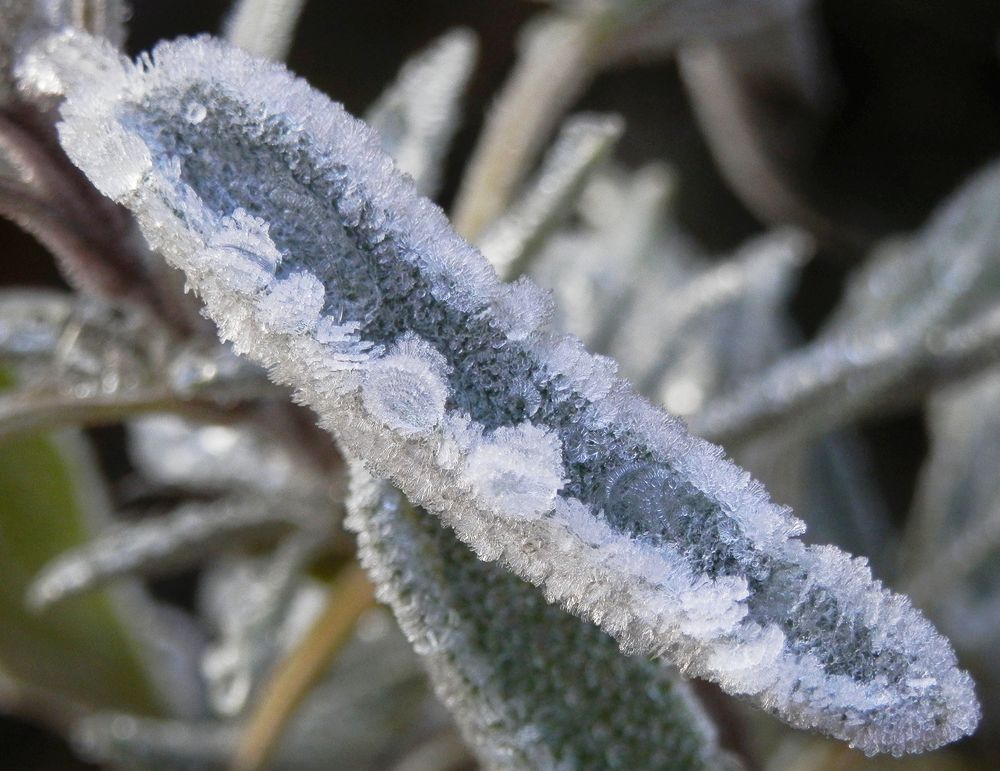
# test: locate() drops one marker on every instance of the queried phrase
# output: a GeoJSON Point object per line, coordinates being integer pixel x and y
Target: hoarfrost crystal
{"type": "Point", "coordinates": [803, 631]}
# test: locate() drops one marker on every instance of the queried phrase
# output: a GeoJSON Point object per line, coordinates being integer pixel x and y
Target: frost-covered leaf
{"type": "Point", "coordinates": [169, 542]}
{"type": "Point", "coordinates": [715, 324]}
{"type": "Point", "coordinates": [631, 284]}
{"type": "Point", "coordinates": [527, 682]}
{"type": "Point", "coordinates": [827, 479]}
{"type": "Point", "coordinates": [419, 113]}
{"type": "Point", "coordinates": [898, 316]}
{"type": "Point", "coordinates": [801, 752]}
{"type": "Point", "coordinates": [744, 292]}
{"type": "Point", "coordinates": [946, 269]}
{"type": "Point", "coordinates": [585, 141]}
{"type": "Point", "coordinates": [256, 606]}
{"type": "Point", "coordinates": [264, 27]}
{"type": "Point", "coordinates": [539, 456]}
{"type": "Point", "coordinates": [600, 271]}
{"type": "Point", "coordinates": [94, 241]}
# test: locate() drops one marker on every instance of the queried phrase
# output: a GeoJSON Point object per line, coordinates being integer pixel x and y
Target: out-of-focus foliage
{"type": "Point", "coordinates": [96, 652]}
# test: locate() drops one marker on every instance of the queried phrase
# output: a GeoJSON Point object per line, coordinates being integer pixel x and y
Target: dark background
{"type": "Point", "coordinates": [917, 109]}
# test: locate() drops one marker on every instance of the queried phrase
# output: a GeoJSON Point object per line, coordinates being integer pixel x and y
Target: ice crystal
{"type": "Point", "coordinates": [690, 561]}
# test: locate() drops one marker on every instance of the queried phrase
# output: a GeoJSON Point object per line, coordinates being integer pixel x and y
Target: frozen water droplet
{"type": "Point", "coordinates": [195, 112]}
{"type": "Point", "coordinates": [405, 393]}
{"type": "Point", "coordinates": [639, 494]}
{"type": "Point", "coordinates": [749, 665]}
{"type": "Point", "coordinates": [517, 471]}
{"type": "Point", "coordinates": [294, 304]}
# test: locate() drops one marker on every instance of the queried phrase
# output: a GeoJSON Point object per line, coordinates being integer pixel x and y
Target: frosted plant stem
{"type": "Point", "coordinates": [45, 222]}
{"type": "Point", "coordinates": [895, 320]}
{"type": "Point", "coordinates": [264, 27]}
{"type": "Point", "coordinates": [791, 401]}
{"type": "Point", "coordinates": [765, 408]}
{"type": "Point", "coordinates": [26, 413]}
{"type": "Point", "coordinates": [556, 61]}
{"type": "Point", "coordinates": [349, 597]}
{"type": "Point", "coordinates": [167, 542]}
{"type": "Point", "coordinates": [23, 155]}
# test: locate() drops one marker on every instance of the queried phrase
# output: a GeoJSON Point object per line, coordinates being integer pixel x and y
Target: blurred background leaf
{"type": "Point", "coordinates": [89, 652]}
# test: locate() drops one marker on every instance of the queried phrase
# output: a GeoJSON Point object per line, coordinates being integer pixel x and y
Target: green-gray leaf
{"type": "Point", "coordinates": [530, 685]}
